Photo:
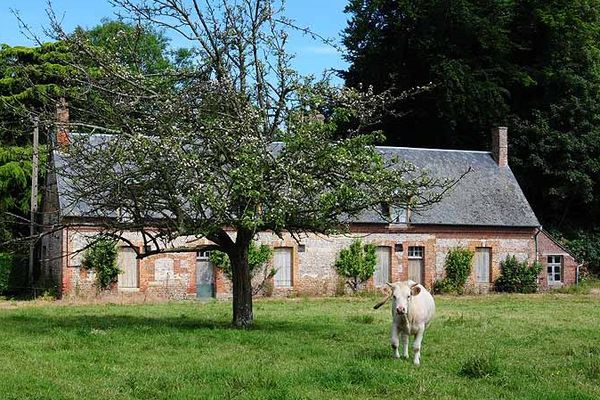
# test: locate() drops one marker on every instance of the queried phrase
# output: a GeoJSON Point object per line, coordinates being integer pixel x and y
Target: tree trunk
{"type": "Point", "coordinates": [242, 285]}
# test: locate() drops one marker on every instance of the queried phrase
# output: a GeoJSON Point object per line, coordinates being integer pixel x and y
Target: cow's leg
{"type": "Point", "coordinates": [404, 337]}
{"type": "Point", "coordinates": [417, 345]}
{"type": "Point", "coordinates": [395, 341]}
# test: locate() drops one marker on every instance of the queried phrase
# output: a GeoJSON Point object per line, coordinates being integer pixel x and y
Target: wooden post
{"type": "Point", "coordinates": [34, 195]}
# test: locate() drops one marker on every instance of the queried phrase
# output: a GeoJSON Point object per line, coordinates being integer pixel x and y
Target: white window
{"type": "Point", "coordinates": [398, 215]}
{"type": "Point", "coordinates": [554, 269]}
{"type": "Point", "coordinates": [203, 255]}
{"type": "Point", "coordinates": [415, 252]}
{"type": "Point", "coordinates": [282, 262]}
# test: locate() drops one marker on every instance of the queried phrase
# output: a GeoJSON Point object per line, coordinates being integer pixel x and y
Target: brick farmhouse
{"type": "Point", "coordinates": [485, 212]}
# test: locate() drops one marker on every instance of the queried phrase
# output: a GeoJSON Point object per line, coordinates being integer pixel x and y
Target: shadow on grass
{"type": "Point", "coordinates": [45, 324]}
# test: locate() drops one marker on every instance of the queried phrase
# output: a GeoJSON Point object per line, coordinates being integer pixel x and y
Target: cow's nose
{"type": "Point", "coordinates": [401, 310]}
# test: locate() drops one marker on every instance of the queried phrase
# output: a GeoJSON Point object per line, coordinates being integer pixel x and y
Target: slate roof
{"type": "Point", "coordinates": [489, 195]}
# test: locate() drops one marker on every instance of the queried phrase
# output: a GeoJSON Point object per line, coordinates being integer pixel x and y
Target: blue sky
{"type": "Point", "coordinates": [325, 17]}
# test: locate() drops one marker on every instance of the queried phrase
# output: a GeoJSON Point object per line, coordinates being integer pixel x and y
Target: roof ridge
{"type": "Point", "coordinates": [428, 149]}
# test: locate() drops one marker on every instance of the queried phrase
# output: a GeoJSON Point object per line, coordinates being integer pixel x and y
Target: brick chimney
{"type": "Point", "coordinates": [500, 145]}
{"type": "Point", "coordinates": [62, 123]}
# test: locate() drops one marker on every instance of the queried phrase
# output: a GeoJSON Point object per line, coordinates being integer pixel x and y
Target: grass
{"type": "Point", "coordinates": [490, 347]}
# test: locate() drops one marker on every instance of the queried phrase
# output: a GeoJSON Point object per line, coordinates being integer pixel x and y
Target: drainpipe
{"type": "Point", "coordinates": [577, 274]}
{"type": "Point", "coordinates": [535, 239]}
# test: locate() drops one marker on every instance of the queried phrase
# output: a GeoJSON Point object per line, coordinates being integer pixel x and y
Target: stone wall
{"type": "Point", "coordinates": [173, 275]}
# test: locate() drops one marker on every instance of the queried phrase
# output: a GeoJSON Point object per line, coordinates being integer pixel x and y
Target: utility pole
{"type": "Point", "coordinates": [34, 195]}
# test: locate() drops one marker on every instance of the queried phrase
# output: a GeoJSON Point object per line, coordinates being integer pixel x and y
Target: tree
{"type": "Point", "coordinates": [529, 64]}
{"type": "Point", "coordinates": [357, 264]}
{"type": "Point", "coordinates": [32, 79]}
{"type": "Point", "coordinates": [240, 142]}
{"type": "Point", "coordinates": [140, 47]}
{"type": "Point", "coordinates": [258, 259]}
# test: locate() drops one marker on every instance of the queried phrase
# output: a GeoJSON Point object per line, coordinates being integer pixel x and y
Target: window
{"type": "Point", "coordinates": [554, 269]}
{"type": "Point", "coordinates": [415, 252]}
{"type": "Point", "coordinates": [416, 263]}
{"type": "Point", "coordinates": [203, 255]}
{"type": "Point", "coordinates": [395, 214]}
{"type": "Point", "coordinates": [282, 262]}
{"type": "Point", "coordinates": [483, 258]}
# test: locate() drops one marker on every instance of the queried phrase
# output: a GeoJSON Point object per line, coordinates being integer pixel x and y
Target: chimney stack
{"type": "Point", "coordinates": [62, 123]}
{"type": "Point", "coordinates": [500, 145]}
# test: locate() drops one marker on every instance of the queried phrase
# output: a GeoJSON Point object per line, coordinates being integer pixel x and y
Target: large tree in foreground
{"type": "Point", "coordinates": [239, 142]}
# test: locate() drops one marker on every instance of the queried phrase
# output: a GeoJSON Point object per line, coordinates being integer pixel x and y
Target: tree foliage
{"type": "Point", "coordinates": [519, 277]}
{"type": "Point", "coordinates": [240, 141]}
{"type": "Point", "coordinates": [31, 81]}
{"type": "Point", "coordinates": [531, 65]}
{"type": "Point", "coordinates": [101, 257]}
{"type": "Point", "coordinates": [356, 263]}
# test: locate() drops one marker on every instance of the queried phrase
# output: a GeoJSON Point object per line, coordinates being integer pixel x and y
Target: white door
{"type": "Point", "coordinates": [282, 262]}
{"type": "Point", "coordinates": [127, 261]}
{"type": "Point", "coordinates": [383, 267]}
{"type": "Point", "coordinates": [482, 264]}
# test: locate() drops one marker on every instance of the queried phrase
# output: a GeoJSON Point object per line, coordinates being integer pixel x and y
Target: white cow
{"type": "Point", "coordinates": [412, 311]}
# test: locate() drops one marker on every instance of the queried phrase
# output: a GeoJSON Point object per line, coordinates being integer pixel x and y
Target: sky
{"type": "Point", "coordinates": [324, 17]}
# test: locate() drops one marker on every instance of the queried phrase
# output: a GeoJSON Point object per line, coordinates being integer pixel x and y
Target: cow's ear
{"type": "Point", "coordinates": [415, 289]}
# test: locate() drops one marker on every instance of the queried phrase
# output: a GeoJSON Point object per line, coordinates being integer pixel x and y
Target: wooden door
{"type": "Point", "coordinates": [383, 267]}
{"type": "Point", "coordinates": [282, 262]}
{"type": "Point", "coordinates": [127, 261]}
{"type": "Point", "coordinates": [416, 263]}
{"type": "Point", "coordinates": [483, 257]}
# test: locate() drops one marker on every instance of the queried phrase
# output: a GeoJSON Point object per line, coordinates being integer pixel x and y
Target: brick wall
{"type": "Point", "coordinates": [547, 246]}
{"type": "Point", "coordinates": [173, 275]}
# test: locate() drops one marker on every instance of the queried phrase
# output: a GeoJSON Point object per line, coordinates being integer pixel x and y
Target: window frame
{"type": "Point", "coordinates": [554, 265]}
{"type": "Point", "coordinates": [413, 252]}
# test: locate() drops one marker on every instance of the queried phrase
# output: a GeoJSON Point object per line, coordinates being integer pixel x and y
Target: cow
{"type": "Point", "coordinates": [412, 311]}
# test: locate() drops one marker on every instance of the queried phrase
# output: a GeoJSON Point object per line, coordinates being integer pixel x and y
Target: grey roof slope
{"type": "Point", "coordinates": [489, 195]}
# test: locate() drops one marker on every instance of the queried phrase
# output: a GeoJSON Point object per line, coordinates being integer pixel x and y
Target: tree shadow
{"type": "Point", "coordinates": [46, 324]}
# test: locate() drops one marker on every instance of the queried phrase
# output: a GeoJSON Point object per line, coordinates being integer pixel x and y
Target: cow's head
{"type": "Point", "coordinates": [402, 294]}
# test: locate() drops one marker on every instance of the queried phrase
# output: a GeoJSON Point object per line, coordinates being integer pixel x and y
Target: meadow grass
{"type": "Point", "coordinates": [490, 347]}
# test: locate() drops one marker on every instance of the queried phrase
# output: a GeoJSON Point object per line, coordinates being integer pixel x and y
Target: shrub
{"type": "Point", "coordinates": [258, 258]}
{"type": "Point", "coordinates": [480, 366]}
{"type": "Point", "coordinates": [356, 263]}
{"type": "Point", "coordinates": [101, 257]}
{"type": "Point", "coordinates": [518, 276]}
{"type": "Point", "coordinates": [6, 264]}
{"type": "Point", "coordinates": [458, 268]}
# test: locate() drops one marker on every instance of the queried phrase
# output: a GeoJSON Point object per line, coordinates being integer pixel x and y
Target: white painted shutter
{"type": "Point", "coordinates": [382, 269]}
{"type": "Point", "coordinates": [482, 264]}
{"type": "Point", "coordinates": [282, 262]}
{"type": "Point", "coordinates": [127, 262]}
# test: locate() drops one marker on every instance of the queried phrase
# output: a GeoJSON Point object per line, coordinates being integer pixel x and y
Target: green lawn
{"type": "Point", "coordinates": [537, 346]}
